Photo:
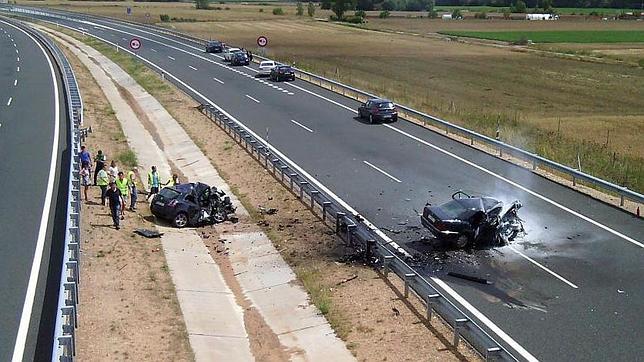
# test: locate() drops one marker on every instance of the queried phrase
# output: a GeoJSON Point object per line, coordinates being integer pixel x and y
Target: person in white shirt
{"type": "Point", "coordinates": [113, 171]}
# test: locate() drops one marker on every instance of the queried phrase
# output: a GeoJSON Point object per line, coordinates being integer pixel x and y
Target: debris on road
{"type": "Point", "coordinates": [469, 277]}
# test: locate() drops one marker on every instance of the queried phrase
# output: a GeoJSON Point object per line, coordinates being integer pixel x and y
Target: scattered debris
{"type": "Point", "coordinates": [469, 277]}
{"type": "Point", "coordinates": [621, 291]}
{"type": "Point", "coordinates": [148, 233]}
{"type": "Point", "coordinates": [396, 311]}
{"type": "Point", "coordinates": [267, 211]}
{"type": "Point", "coordinates": [347, 279]}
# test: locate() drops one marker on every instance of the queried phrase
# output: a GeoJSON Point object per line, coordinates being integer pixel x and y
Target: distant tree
{"type": "Point", "coordinates": [364, 5]}
{"type": "Point", "coordinates": [519, 7]}
{"type": "Point", "coordinates": [299, 9]}
{"type": "Point", "coordinates": [388, 5]}
{"type": "Point", "coordinates": [384, 14]}
{"type": "Point", "coordinates": [547, 6]}
{"type": "Point", "coordinates": [202, 4]}
{"type": "Point", "coordinates": [339, 7]}
{"type": "Point", "coordinates": [456, 14]}
{"type": "Point", "coordinates": [430, 9]}
{"type": "Point", "coordinates": [326, 4]}
{"type": "Point", "coordinates": [506, 13]}
{"type": "Point", "coordinates": [310, 9]}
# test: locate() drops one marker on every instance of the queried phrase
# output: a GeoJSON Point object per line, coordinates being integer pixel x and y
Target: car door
{"type": "Point", "coordinates": [362, 109]}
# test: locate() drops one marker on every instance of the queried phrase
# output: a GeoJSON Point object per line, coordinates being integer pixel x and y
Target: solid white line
{"type": "Point", "coordinates": [191, 67]}
{"type": "Point", "coordinates": [217, 80]}
{"type": "Point", "coordinates": [323, 97]}
{"type": "Point", "coordinates": [154, 50]}
{"type": "Point", "coordinates": [480, 316]}
{"type": "Point", "coordinates": [301, 125]}
{"type": "Point", "coordinates": [9, 101]}
{"type": "Point", "coordinates": [25, 316]}
{"type": "Point", "coordinates": [171, 58]}
{"type": "Point", "coordinates": [535, 194]}
{"type": "Point", "coordinates": [255, 100]}
{"type": "Point", "coordinates": [381, 171]}
{"type": "Point", "coordinates": [544, 268]}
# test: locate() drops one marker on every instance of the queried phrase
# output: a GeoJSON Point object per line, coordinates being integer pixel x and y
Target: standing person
{"type": "Point", "coordinates": [113, 171]}
{"type": "Point", "coordinates": [173, 181]}
{"type": "Point", "coordinates": [85, 158]}
{"type": "Point", "coordinates": [115, 199]}
{"type": "Point", "coordinates": [250, 56]}
{"type": "Point", "coordinates": [84, 178]}
{"type": "Point", "coordinates": [102, 180]}
{"type": "Point", "coordinates": [131, 178]}
{"type": "Point", "coordinates": [122, 184]}
{"type": "Point", "coordinates": [100, 162]}
{"type": "Point", "coordinates": [153, 182]}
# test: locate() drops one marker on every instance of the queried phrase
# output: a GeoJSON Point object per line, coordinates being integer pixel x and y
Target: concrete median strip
{"type": "Point", "coordinates": [214, 316]}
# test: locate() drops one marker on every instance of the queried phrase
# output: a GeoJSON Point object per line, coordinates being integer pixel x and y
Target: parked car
{"type": "Point", "coordinates": [214, 46]}
{"type": "Point", "coordinates": [468, 220]}
{"type": "Point", "coordinates": [239, 58]}
{"type": "Point", "coordinates": [282, 72]}
{"type": "Point", "coordinates": [377, 109]}
{"type": "Point", "coordinates": [191, 204]}
{"type": "Point", "coordinates": [228, 53]}
{"type": "Point", "coordinates": [265, 68]}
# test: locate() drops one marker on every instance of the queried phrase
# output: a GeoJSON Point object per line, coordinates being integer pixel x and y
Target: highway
{"type": "Point", "coordinates": [32, 143]}
{"type": "Point", "coordinates": [572, 289]}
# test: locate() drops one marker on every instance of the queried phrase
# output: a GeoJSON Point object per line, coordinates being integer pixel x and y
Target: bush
{"type": "Point", "coordinates": [360, 13]}
{"type": "Point", "coordinates": [432, 14]}
{"type": "Point", "coordinates": [519, 7]}
{"type": "Point", "coordinates": [300, 9]}
{"type": "Point", "coordinates": [354, 19]}
{"type": "Point", "coordinates": [333, 17]}
{"type": "Point", "coordinates": [384, 14]}
{"type": "Point", "coordinates": [325, 4]}
{"type": "Point", "coordinates": [278, 11]}
{"type": "Point", "coordinates": [261, 10]}
{"type": "Point", "coordinates": [506, 13]}
{"type": "Point", "coordinates": [310, 9]}
{"type": "Point", "coordinates": [480, 15]}
{"type": "Point", "coordinates": [523, 40]}
{"type": "Point", "coordinates": [456, 14]}
{"type": "Point", "coordinates": [165, 18]}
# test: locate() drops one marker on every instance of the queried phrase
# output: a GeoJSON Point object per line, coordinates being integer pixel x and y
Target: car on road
{"type": "Point", "coordinates": [377, 109]}
{"type": "Point", "coordinates": [282, 72]}
{"type": "Point", "coordinates": [466, 221]}
{"type": "Point", "coordinates": [191, 204]}
{"type": "Point", "coordinates": [228, 53]}
{"type": "Point", "coordinates": [214, 46]}
{"type": "Point", "coordinates": [265, 68]}
{"type": "Point", "coordinates": [239, 58]}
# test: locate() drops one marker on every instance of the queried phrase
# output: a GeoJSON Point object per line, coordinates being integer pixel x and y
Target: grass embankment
{"type": "Point", "coordinates": [615, 36]}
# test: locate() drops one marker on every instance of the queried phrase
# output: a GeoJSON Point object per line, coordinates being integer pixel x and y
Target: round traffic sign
{"type": "Point", "coordinates": [135, 44]}
{"type": "Point", "coordinates": [262, 41]}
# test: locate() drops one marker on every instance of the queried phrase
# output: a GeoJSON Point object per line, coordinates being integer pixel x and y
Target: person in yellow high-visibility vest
{"type": "Point", "coordinates": [122, 184]}
{"type": "Point", "coordinates": [132, 183]}
{"type": "Point", "coordinates": [173, 181]}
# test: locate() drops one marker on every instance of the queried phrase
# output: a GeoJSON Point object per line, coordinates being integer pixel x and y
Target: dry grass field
{"type": "Point", "coordinates": [554, 106]}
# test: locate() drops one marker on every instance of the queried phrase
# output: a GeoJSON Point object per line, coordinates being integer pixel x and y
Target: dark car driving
{"type": "Point", "coordinates": [378, 110]}
{"type": "Point", "coordinates": [282, 72]}
{"type": "Point", "coordinates": [468, 220]}
{"type": "Point", "coordinates": [239, 58]}
{"type": "Point", "coordinates": [214, 46]}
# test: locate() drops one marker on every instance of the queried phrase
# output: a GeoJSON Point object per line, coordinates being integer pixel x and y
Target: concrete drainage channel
{"type": "Point", "coordinates": [264, 277]}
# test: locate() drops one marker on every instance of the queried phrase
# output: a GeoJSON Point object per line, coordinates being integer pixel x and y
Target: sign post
{"type": "Point", "coordinates": [262, 41]}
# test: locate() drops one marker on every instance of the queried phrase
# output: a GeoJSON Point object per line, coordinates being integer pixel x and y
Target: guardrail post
{"type": "Point", "coordinates": [534, 165]}
{"type": "Point", "coordinates": [338, 217]}
{"type": "Point", "coordinates": [408, 276]}
{"type": "Point", "coordinates": [302, 184]}
{"type": "Point", "coordinates": [325, 204]}
{"type": "Point", "coordinates": [350, 233]}
{"type": "Point", "coordinates": [387, 260]}
{"type": "Point", "coordinates": [574, 180]}
{"type": "Point", "coordinates": [621, 200]}
{"type": "Point", "coordinates": [282, 169]}
{"type": "Point", "coordinates": [458, 324]}
{"type": "Point", "coordinates": [368, 249]}
{"type": "Point", "coordinates": [291, 177]}
{"type": "Point", "coordinates": [313, 193]}
{"type": "Point", "coordinates": [492, 353]}
{"type": "Point", "coordinates": [430, 305]}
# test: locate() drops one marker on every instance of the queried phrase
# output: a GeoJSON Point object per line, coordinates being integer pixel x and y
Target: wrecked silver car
{"type": "Point", "coordinates": [467, 221]}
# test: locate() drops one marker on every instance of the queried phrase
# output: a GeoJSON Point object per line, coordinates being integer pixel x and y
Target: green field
{"type": "Point", "coordinates": [563, 11]}
{"type": "Point", "coordinates": [603, 36]}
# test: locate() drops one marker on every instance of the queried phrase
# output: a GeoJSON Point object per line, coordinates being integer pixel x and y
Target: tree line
{"type": "Point", "coordinates": [428, 5]}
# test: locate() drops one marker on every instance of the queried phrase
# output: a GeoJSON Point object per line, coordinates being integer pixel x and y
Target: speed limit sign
{"type": "Point", "coordinates": [262, 41]}
{"type": "Point", "coordinates": [135, 44]}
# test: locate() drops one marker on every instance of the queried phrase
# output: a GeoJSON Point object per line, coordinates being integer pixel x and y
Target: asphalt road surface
{"type": "Point", "coordinates": [31, 104]}
{"type": "Point", "coordinates": [572, 289]}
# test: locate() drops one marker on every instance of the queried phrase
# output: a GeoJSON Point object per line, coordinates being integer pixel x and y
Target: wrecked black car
{"type": "Point", "coordinates": [467, 221]}
{"type": "Point", "coordinates": [192, 204]}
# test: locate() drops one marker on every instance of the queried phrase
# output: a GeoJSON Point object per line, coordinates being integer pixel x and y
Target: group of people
{"type": "Point", "coordinates": [115, 185]}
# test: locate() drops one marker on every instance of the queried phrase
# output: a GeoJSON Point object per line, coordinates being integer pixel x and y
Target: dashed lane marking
{"type": "Point", "coordinates": [253, 99]}
{"type": "Point", "coordinates": [381, 171]}
{"type": "Point", "coordinates": [301, 125]}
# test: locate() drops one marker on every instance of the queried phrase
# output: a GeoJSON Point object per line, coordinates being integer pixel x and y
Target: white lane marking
{"type": "Point", "coordinates": [17, 51]}
{"type": "Point", "coordinates": [14, 44]}
{"type": "Point", "coordinates": [290, 93]}
{"type": "Point", "coordinates": [533, 193]}
{"type": "Point", "coordinates": [480, 316]}
{"type": "Point", "coordinates": [154, 50]}
{"type": "Point", "coordinates": [544, 268]}
{"type": "Point", "coordinates": [9, 101]}
{"type": "Point", "coordinates": [191, 67]}
{"type": "Point", "coordinates": [123, 38]}
{"type": "Point", "coordinates": [251, 98]}
{"type": "Point", "coordinates": [17, 69]}
{"type": "Point", "coordinates": [381, 171]}
{"type": "Point", "coordinates": [15, 82]}
{"type": "Point", "coordinates": [171, 58]}
{"type": "Point", "coordinates": [348, 207]}
{"type": "Point", "coordinates": [17, 59]}
{"type": "Point", "coordinates": [27, 308]}
{"type": "Point", "coordinates": [301, 125]}
{"type": "Point", "coordinates": [217, 80]}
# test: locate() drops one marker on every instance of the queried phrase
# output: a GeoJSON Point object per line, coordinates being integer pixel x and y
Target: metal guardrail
{"type": "Point", "coordinates": [64, 343]}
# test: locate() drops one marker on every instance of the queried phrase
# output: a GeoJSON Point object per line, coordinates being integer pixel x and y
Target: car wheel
{"type": "Point", "coordinates": [180, 220]}
{"type": "Point", "coordinates": [394, 119]}
{"type": "Point", "coordinates": [371, 119]}
{"type": "Point", "coordinates": [462, 241]}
